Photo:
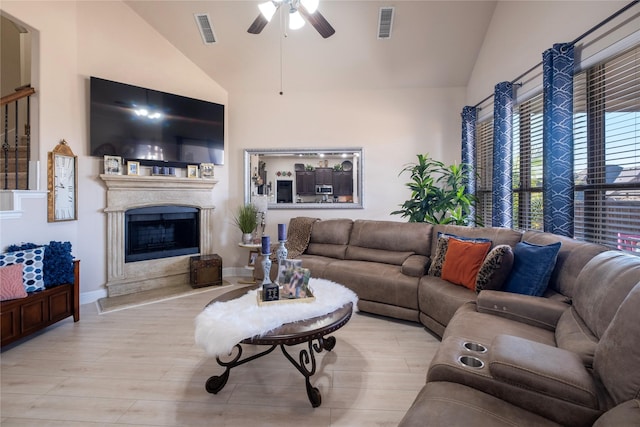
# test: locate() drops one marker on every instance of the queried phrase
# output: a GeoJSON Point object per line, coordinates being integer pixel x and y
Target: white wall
{"type": "Point", "coordinates": [521, 31]}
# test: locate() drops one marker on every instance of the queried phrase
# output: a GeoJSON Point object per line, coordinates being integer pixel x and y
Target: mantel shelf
{"type": "Point", "coordinates": [114, 182]}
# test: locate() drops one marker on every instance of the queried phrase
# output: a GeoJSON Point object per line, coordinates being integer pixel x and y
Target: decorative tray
{"type": "Point", "coordinates": [282, 300]}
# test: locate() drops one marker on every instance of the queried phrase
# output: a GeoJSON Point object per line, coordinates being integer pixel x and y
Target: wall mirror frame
{"type": "Point", "coordinates": [327, 178]}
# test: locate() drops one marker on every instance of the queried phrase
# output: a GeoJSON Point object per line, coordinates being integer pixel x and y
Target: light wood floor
{"type": "Point", "coordinates": [140, 367]}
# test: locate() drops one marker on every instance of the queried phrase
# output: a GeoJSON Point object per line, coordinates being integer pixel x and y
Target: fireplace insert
{"type": "Point", "coordinates": [161, 232]}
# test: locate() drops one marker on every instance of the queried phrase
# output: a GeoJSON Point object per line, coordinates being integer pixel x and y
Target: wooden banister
{"type": "Point", "coordinates": [18, 94]}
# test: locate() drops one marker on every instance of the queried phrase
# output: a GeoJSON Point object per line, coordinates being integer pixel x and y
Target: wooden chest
{"type": "Point", "coordinates": [206, 270]}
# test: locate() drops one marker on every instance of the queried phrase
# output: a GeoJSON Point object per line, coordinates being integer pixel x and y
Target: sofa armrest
{"type": "Point", "coordinates": [541, 368]}
{"type": "Point", "coordinates": [416, 265]}
{"type": "Point", "coordinates": [536, 311]}
{"type": "Point", "coordinates": [625, 414]}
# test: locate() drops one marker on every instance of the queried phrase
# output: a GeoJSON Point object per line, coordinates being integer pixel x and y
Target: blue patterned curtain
{"type": "Point", "coordinates": [469, 118]}
{"type": "Point", "coordinates": [558, 196]}
{"type": "Point", "coordinates": [502, 196]}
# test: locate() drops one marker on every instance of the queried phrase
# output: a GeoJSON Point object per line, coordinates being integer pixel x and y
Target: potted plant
{"type": "Point", "coordinates": [438, 193]}
{"type": "Point", "coordinates": [246, 218]}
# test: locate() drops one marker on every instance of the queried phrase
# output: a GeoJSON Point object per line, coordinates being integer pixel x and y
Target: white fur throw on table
{"type": "Point", "coordinates": [222, 325]}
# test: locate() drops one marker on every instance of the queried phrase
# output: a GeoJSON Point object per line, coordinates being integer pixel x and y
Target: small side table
{"type": "Point", "coordinates": [251, 247]}
{"type": "Point", "coordinates": [206, 270]}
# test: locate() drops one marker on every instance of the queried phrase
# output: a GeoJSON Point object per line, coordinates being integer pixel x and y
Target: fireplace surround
{"type": "Point", "coordinates": [126, 192]}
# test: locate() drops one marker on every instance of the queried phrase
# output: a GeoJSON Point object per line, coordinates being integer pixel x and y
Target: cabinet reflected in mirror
{"type": "Point", "coordinates": [304, 178]}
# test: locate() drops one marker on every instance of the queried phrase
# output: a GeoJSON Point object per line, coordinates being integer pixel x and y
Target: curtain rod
{"type": "Point", "coordinates": [585, 34]}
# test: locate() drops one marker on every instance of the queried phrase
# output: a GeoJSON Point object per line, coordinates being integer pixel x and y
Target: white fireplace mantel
{"type": "Point", "coordinates": [126, 192]}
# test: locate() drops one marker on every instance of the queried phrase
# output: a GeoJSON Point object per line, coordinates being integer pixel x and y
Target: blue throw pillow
{"type": "Point", "coordinates": [532, 268]}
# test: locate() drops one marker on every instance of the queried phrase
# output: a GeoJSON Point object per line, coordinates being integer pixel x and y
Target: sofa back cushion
{"type": "Point", "coordinates": [618, 353]}
{"type": "Point", "coordinates": [572, 257]}
{"type": "Point", "coordinates": [497, 235]}
{"type": "Point", "coordinates": [603, 284]}
{"type": "Point", "coordinates": [330, 238]}
{"type": "Point", "coordinates": [407, 237]}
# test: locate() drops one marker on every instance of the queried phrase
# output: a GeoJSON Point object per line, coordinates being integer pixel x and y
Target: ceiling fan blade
{"type": "Point", "coordinates": [318, 22]}
{"type": "Point", "coordinates": [258, 25]}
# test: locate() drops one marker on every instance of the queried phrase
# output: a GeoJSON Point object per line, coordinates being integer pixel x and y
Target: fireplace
{"type": "Point", "coordinates": [146, 197]}
{"type": "Point", "coordinates": [161, 232]}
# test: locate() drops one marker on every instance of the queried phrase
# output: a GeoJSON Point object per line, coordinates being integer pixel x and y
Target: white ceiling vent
{"type": "Point", "coordinates": [205, 27]}
{"type": "Point", "coordinates": [385, 22]}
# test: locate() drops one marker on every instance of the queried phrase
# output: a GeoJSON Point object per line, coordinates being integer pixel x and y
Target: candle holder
{"type": "Point", "coordinates": [266, 268]}
{"type": "Point", "coordinates": [282, 252]}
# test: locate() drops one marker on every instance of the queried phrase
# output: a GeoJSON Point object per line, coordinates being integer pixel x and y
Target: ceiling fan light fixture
{"type": "Point", "coordinates": [310, 5]}
{"type": "Point", "coordinates": [268, 9]}
{"type": "Point", "coordinates": [296, 21]}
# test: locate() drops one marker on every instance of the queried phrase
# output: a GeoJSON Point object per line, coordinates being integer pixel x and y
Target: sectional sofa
{"type": "Point", "coordinates": [568, 357]}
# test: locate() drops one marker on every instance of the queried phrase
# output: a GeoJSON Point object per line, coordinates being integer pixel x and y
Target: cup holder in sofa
{"type": "Point", "coordinates": [474, 346]}
{"type": "Point", "coordinates": [471, 362]}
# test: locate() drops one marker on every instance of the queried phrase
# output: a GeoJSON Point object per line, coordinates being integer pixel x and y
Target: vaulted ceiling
{"type": "Point", "coordinates": [433, 44]}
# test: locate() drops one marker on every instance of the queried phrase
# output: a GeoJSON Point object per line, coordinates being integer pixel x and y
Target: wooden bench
{"type": "Point", "coordinates": [22, 317]}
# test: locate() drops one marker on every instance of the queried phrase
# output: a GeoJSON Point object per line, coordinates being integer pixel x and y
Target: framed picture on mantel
{"type": "Point", "coordinates": [112, 165]}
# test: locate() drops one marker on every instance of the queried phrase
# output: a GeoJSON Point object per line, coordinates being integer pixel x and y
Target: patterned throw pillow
{"type": "Point", "coordinates": [435, 269]}
{"type": "Point", "coordinates": [32, 266]}
{"type": "Point", "coordinates": [11, 282]}
{"type": "Point", "coordinates": [495, 269]}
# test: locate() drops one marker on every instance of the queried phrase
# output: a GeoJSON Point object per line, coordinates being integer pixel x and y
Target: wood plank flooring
{"type": "Point", "coordinates": [141, 367]}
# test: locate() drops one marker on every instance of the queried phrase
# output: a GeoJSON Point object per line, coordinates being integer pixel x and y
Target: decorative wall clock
{"type": "Point", "coordinates": [62, 183]}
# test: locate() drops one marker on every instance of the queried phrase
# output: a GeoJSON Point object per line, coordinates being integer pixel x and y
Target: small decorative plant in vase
{"type": "Point", "coordinates": [246, 218]}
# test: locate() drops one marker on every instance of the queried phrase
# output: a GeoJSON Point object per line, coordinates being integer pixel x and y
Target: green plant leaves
{"type": "Point", "coordinates": [438, 193]}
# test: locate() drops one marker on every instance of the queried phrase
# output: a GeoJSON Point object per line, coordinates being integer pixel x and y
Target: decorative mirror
{"type": "Point", "coordinates": [304, 178]}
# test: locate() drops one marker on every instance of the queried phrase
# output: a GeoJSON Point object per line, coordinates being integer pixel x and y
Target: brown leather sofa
{"type": "Point", "coordinates": [568, 358]}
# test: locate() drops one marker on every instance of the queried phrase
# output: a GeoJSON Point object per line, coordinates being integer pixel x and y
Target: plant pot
{"type": "Point", "coordinates": [247, 238]}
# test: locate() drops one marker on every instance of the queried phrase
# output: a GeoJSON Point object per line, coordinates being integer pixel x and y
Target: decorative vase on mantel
{"type": "Point", "coordinates": [247, 238]}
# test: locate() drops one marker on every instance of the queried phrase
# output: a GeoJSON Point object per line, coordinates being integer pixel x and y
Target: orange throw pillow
{"type": "Point", "coordinates": [463, 261]}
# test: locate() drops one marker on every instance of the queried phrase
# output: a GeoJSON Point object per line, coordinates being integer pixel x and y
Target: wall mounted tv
{"type": "Point", "coordinates": [152, 127]}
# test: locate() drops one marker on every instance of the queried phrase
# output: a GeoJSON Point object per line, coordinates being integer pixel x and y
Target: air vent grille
{"type": "Point", "coordinates": [205, 27]}
{"type": "Point", "coordinates": [385, 22]}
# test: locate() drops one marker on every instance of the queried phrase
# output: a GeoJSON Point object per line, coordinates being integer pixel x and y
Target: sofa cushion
{"type": "Point", "coordinates": [532, 267]}
{"type": "Point", "coordinates": [392, 236]}
{"type": "Point", "coordinates": [573, 335]}
{"type": "Point", "coordinates": [495, 268]}
{"type": "Point", "coordinates": [331, 231]}
{"type": "Point", "coordinates": [603, 284]}
{"type": "Point", "coordinates": [618, 355]}
{"type": "Point", "coordinates": [327, 250]}
{"type": "Point", "coordinates": [376, 255]}
{"type": "Point", "coordinates": [11, 282]}
{"type": "Point", "coordinates": [440, 299]}
{"type": "Point", "coordinates": [32, 261]}
{"type": "Point", "coordinates": [415, 265]}
{"type": "Point", "coordinates": [452, 404]}
{"type": "Point", "coordinates": [463, 261]}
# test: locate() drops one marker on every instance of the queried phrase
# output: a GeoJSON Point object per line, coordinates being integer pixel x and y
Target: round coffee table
{"type": "Point", "coordinates": [312, 331]}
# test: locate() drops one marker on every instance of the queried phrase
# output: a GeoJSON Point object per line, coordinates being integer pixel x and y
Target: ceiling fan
{"type": "Point", "coordinates": [299, 10]}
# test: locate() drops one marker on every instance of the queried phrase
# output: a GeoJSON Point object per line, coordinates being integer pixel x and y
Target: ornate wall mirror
{"type": "Point", "coordinates": [304, 178]}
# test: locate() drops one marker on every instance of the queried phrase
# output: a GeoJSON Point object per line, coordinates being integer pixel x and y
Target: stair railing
{"type": "Point", "coordinates": [21, 96]}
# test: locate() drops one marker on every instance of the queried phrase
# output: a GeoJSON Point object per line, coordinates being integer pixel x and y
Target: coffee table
{"type": "Point", "coordinates": [312, 331]}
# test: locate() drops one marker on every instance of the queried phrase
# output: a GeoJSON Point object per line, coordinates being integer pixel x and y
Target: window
{"type": "Point", "coordinates": [484, 166]}
{"type": "Point", "coordinates": [607, 152]}
{"type": "Point", "coordinates": [527, 165]}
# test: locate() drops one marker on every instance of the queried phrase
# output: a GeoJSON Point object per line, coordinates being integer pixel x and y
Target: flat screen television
{"type": "Point", "coordinates": [153, 127]}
